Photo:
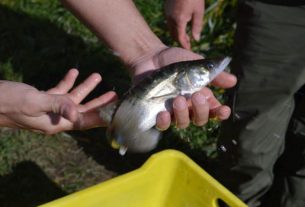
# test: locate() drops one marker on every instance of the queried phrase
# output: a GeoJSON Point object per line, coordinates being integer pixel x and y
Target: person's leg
{"type": "Point", "coordinates": [269, 62]}
{"type": "Point", "coordinates": [288, 189]}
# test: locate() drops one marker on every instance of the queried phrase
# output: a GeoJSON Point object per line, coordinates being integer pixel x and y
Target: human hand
{"type": "Point", "coordinates": [55, 110]}
{"type": "Point", "coordinates": [179, 13]}
{"type": "Point", "coordinates": [202, 104]}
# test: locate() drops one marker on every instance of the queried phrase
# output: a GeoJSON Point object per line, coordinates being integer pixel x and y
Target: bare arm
{"type": "Point", "coordinates": [120, 25]}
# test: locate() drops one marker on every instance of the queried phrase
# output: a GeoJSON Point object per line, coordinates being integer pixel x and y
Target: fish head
{"type": "Point", "coordinates": [215, 66]}
{"type": "Point", "coordinates": [199, 73]}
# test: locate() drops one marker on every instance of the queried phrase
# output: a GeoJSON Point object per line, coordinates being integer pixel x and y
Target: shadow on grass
{"type": "Point", "coordinates": [95, 143]}
{"type": "Point", "coordinates": [41, 53]}
{"type": "Point", "coordinates": [27, 186]}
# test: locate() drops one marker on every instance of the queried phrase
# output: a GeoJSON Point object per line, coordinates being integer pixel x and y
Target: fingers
{"type": "Point", "coordinates": [221, 113]}
{"type": "Point", "coordinates": [182, 36]}
{"type": "Point", "coordinates": [203, 105]}
{"type": "Point", "coordinates": [225, 80]}
{"type": "Point", "coordinates": [200, 108]}
{"type": "Point", "coordinates": [178, 32]}
{"type": "Point", "coordinates": [90, 116]}
{"type": "Point", "coordinates": [181, 112]}
{"type": "Point", "coordinates": [66, 83]}
{"type": "Point", "coordinates": [216, 109]}
{"type": "Point", "coordinates": [197, 24]}
{"type": "Point", "coordinates": [81, 91]}
{"type": "Point", "coordinates": [179, 14]}
{"type": "Point", "coordinates": [163, 120]}
{"type": "Point", "coordinates": [211, 109]}
{"type": "Point", "coordinates": [99, 101]}
{"type": "Point", "coordinates": [77, 117]}
{"type": "Point", "coordinates": [88, 120]}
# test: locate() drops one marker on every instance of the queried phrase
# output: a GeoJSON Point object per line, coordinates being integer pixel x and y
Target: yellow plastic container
{"type": "Point", "coordinates": [168, 179]}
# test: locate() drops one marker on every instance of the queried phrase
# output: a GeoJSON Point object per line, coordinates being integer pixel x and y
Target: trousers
{"type": "Point", "coordinates": [262, 144]}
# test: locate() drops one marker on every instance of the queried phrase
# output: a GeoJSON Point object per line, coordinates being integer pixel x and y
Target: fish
{"type": "Point", "coordinates": [132, 119]}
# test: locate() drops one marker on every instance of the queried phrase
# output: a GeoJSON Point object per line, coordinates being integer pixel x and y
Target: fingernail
{"type": "Point", "coordinates": [197, 37]}
{"type": "Point", "coordinates": [179, 104]}
{"type": "Point", "coordinates": [97, 77]}
{"type": "Point", "coordinates": [199, 99]}
{"type": "Point", "coordinates": [160, 119]}
{"type": "Point", "coordinates": [160, 129]}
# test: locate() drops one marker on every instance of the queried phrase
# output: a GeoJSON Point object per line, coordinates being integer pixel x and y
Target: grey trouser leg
{"type": "Point", "coordinates": [269, 60]}
{"type": "Point", "coordinates": [289, 184]}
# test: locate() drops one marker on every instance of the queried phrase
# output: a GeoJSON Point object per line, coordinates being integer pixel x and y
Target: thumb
{"type": "Point", "coordinates": [61, 105]}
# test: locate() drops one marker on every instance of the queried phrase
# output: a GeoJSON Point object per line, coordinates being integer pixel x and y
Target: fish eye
{"type": "Point", "coordinates": [210, 65]}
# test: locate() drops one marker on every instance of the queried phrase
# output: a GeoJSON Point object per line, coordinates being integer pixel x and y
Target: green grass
{"type": "Point", "coordinates": [39, 42]}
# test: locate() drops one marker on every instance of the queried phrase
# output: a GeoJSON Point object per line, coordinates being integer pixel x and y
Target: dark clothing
{"type": "Point", "coordinates": [260, 148]}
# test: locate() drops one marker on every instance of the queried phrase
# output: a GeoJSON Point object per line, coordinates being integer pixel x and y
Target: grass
{"type": "Point", "coordinates": [39, 42]}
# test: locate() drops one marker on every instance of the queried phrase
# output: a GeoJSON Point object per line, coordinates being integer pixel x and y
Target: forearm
{"type": "Point", "coordinates": [7, 98]}
{"type": "Point", "coordinates": [119, 24]}
{"type": "Point", "coordinates": [7, 103]}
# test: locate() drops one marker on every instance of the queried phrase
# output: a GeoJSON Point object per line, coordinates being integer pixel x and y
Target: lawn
{"type": "Point", "coordinates": [39, 42]}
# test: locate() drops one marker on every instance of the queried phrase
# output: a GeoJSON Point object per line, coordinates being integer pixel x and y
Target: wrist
{"type": "Point", "coordinates": [143, 47]}
{"type": "Point", "coordinates": [146, 60]}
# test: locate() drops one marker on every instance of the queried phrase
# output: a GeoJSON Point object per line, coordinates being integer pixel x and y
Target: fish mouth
{"type": "Point", "coordinates": [222, 66]}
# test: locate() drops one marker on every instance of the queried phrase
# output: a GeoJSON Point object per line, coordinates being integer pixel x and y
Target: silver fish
{"type": "Point", "coordinates": [132, 125]}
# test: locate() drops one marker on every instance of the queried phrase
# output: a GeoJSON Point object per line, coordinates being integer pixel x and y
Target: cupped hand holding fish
{"type": "Point", "coordinates": [56, 110]}
{"type": "Point", "coordinates": [202, 105]}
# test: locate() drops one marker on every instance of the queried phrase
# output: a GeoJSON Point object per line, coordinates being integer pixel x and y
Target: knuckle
{"type": "Point", "coordinates": [181, 18]}
{"type": "Point", "coordinates": [200, 122]}
{"type": "Point", "coordinates": [182, 124]}
{"type": "Point", "coordinates": [207, 92]}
